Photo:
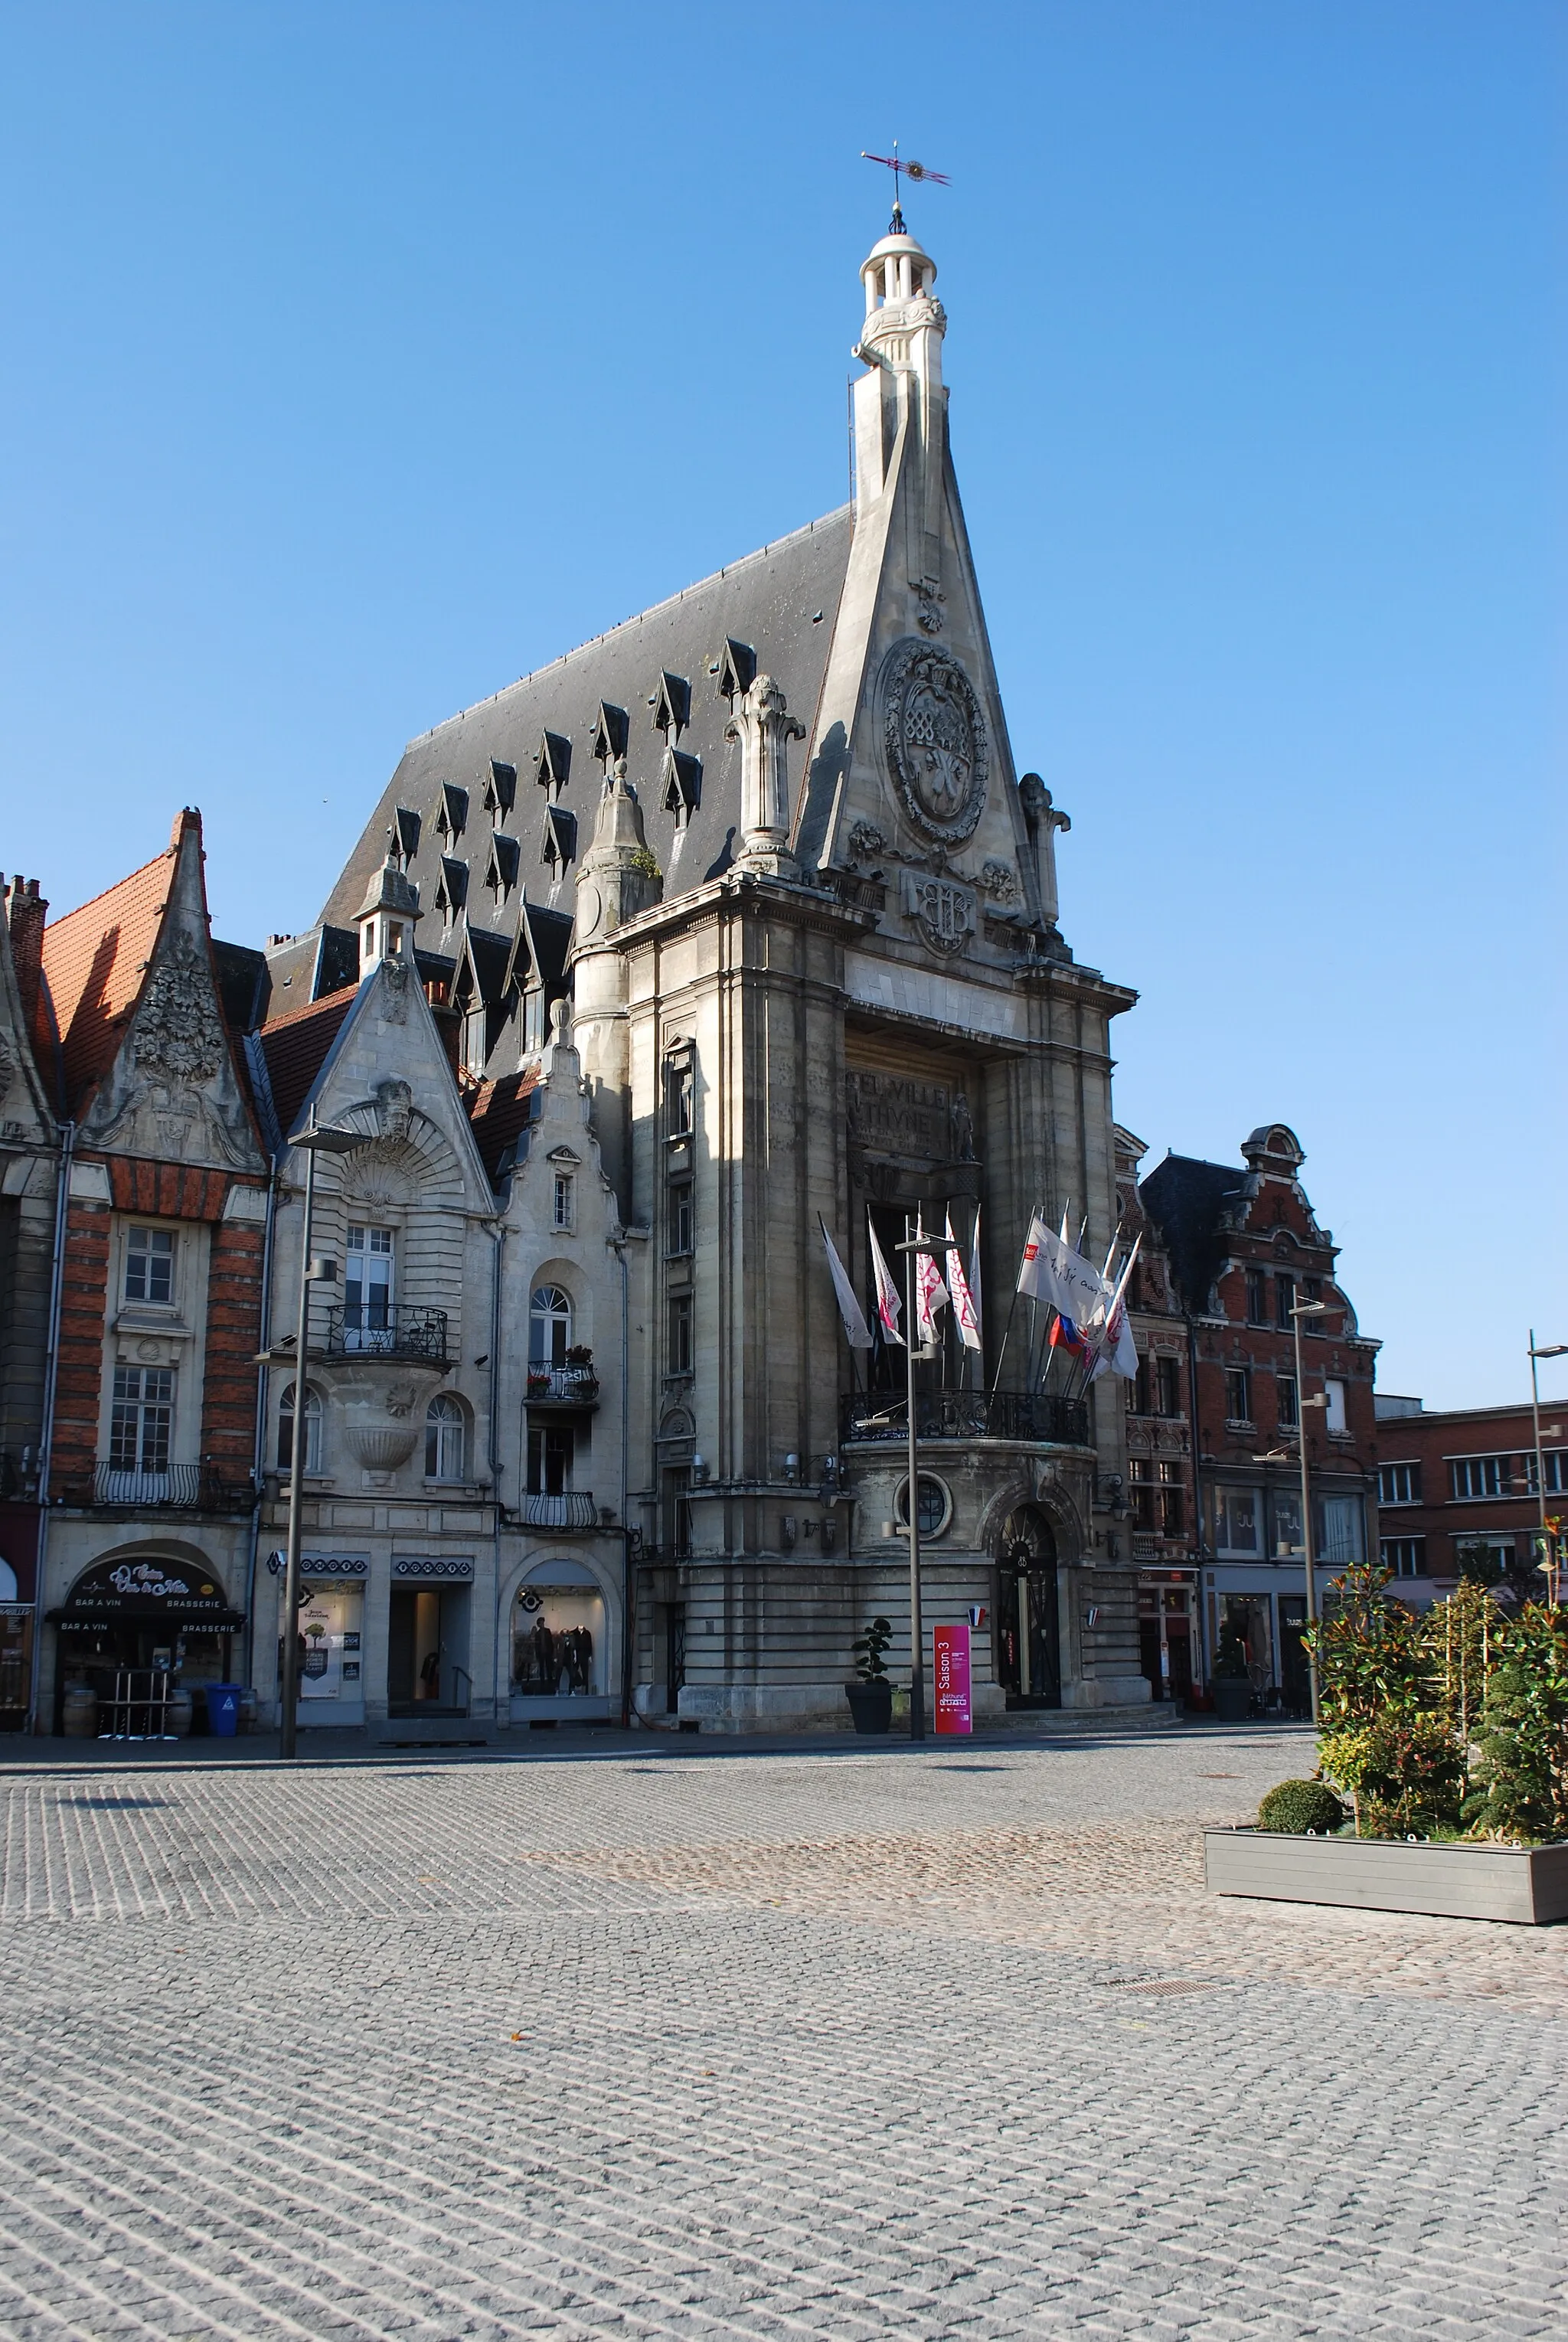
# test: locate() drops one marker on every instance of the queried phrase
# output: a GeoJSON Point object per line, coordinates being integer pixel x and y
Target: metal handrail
{"type": "Point", "coordinates": [395, 1330]}
{"type": "Point", "coordinates": [1043, 1418]}
{"type": "Point", "coordinates": [561, 1387]}
{"type": "Point", "coordinates": [573, 1508]}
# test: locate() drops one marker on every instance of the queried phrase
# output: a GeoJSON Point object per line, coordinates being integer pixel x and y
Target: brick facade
{"type": "Point", "coordinates": [1460, 1484]}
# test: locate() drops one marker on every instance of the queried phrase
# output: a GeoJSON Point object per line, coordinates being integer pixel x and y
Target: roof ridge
{"type": "Point", "coordinates": [636, 617]}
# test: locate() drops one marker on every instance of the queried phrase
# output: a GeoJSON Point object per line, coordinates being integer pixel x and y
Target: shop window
{"type": "Point", "coordinates": [312, 1430]}
{"type": "Point", "coordinates": [551, 1448]}
{"type": "Point", "coordinates": [1399, 1484]}
{"type": "Point", "coordinates": [150, 1265]}
{"type": "Point", "coordinates": [679, 1359]}
{"type": "Point", "coordinates": [1236, 1520]}
{"type": "Point", "coordinates": [557, 1642]}
{"type": "Point", "coordinates": [1245, 1622]}
{"type": "Point", "coordinates": [1403, 1557]}
{"type": "Point", "coordinates": [1333, 1390]}
{"type": "Point", "coordinates": [142, 1419]}
{"type": "Point", "coordinates": [549, 1328]}
{"type": "Point", "coordinates": [445, 1439]}
{"type": "Point", "coordinates": [1238, 1395]}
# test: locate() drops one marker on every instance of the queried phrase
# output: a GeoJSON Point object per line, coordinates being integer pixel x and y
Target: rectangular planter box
{"type": "Point", "coordinates": [1526, 1885]}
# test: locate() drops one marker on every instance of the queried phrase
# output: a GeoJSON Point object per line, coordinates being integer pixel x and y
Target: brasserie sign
{"type": "Point", "coordinates": [141, 1588]}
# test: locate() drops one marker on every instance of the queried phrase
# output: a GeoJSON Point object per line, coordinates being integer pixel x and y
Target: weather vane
{"type": "Point", "coordinates": [900, 168]}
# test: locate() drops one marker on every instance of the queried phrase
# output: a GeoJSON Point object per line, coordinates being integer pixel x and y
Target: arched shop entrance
{"type": "Point", "coordinates": [560, 1654]}
{"type": "Point", "coordinates": [135, 1622]}
{"type": "Point", "coordinates": [1029, 1648]}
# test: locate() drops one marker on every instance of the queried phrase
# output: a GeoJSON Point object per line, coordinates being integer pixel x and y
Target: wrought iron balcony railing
{"type": "Point", "coordinates": [1042, 1416]}
{"type": "Point", "coordinates": [573, 1508]}
{"type": "Point", "coordinates": [197, 1487]}
{"type": "Point", "coordinates": [387, 1330]}
{"type": "Point", "coordinates": [562, 1387]}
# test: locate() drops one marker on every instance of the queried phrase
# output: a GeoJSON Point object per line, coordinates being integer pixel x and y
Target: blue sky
{"type": "Point", "coordinates": [361, 357]}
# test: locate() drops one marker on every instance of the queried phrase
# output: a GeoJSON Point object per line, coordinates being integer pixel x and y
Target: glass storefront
{"type": "Point", "coordinates": [560, 1658]}
{"type": "Point", "coordinates": [331, 1655]}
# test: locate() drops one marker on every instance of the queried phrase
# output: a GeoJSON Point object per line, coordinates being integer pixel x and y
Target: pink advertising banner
{"type": "Point", "coordinates": [951, 1653]}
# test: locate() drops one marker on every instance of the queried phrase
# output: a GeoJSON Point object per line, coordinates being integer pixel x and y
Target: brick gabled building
{"type": "Point", "coordinates": [152, 1498]}
{"type": "Point", "coordinates": [1459, 1487]}
{"type": "Point", "coordinates": [1213, 1418]}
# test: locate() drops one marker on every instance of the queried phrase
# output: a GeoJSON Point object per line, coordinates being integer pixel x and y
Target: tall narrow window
{"type": "Point", "coordinates": [549, 1328]}
{"type": "Point", "coordinates": [1284, 1297]}
{"type": "Point", "coordinates": [1167, 1386]}
{"type": "Point", "coordinates": [562, 1215]}
{"type": "Point", "coordinates": [550, 1457]}
{"type": "Point", "coordinates": [142, 1419]}
{"type": "Point", "coordinates": [680, 1099]}
{"type": "Point", "coordinates": [1257, 1297]}
{"type": "Point", "coordinates": [445, 1439]}
{"type": "Point", "coordinates": [1238, 1395]}
{"type": "Point", "coordinates": [679, 1361]}
{"type": "Point", "coordinates": [682, 1227]}
{"type": "Point", "coordinates": [1173, 1498]}
{"type": "Point", "coordinates": [150, 1265]}
{"type": "Point", "coordinates": [367, 1306]}
{"type": "Point", "coordinates": [1333, 1390]}
{"type": "Point", "coordinates": [1288, 1414]}
{"type": "Point", "coordinates": [312, 1430]}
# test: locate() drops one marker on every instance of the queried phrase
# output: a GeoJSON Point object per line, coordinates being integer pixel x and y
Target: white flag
{"type": "Point", "coordinates": [966, 1316]}
{"type": "Point", "coordinates": [1052, 1271]}
{"type": "Point", "coordinates": [930, 1293]}
{"type": "Point", "coordinates": [887, 1303]}
{"type": "Point", "coordinates": [1118, 1353]}
{"type": "Point", "coordinates": [857, 1331]}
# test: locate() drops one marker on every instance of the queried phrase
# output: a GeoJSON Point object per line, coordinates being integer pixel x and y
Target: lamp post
{"type": "Point", "coordinates": [313, 1141]}
{"type": "Point", "coordinates": [1300, 1309]}
{"type": "Point", "coordinates": [912, 1247]}
{"type": "Point", "coordinates": [1548, 1543]}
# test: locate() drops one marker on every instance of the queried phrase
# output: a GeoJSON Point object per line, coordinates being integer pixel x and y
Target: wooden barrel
{"type": "Point", "coordinates": [79, 1720]}
{"type": "Point", "coordinates": [178, 1712]}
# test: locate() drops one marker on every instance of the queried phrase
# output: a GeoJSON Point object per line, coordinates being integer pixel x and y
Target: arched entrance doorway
{"type": "Point", "coordinates": [136, 1626]}
{"type": "Point", "coordinates": [1029, 1648]}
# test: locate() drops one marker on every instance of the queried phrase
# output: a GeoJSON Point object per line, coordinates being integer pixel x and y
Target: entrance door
{"type": "Point", "coordinates": [1030, 1642]}
{"type": "Point", "coordinates": [1294, 1683]}
{"type": "Point", "coordinates": [427, 1651]}
{"type": "Point", "coordinates": [675, 1654]}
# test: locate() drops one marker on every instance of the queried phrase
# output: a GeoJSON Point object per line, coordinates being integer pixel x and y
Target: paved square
{"type": "Point", "coordinates": [698, 2042]}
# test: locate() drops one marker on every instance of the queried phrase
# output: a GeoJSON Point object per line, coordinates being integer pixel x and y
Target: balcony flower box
{"type": "Point", "coordinates": [1525, 1886]}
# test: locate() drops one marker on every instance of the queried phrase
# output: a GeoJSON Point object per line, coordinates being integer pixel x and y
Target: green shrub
{"type": "Point", "coordinates": [1522, 1769]}
{"type": "Point", "coordinates": [1402, 1773]}
{"type": "Point", "coordinates": [1298, 1807]}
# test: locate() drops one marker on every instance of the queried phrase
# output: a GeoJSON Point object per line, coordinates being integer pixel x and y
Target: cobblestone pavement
{"type": "Point", "coordinates": [942, 2043]}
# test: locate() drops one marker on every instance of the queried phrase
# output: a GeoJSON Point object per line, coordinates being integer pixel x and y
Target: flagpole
{"type": "Point", "coordinates": [1012, 1305]}
{"type": "Point", "coordinates": [916, 1624]}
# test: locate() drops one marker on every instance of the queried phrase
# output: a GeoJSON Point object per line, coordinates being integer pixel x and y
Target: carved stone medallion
{"type": "Point", "coordinates": [943, 913]}
{"type": "Point", "coordinates": [934, 735]}
{"type": "Point", "coordinates": [179, 1037]}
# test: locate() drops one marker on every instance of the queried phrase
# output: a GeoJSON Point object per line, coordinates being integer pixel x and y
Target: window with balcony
{"type": "Point", "coordinates": [150, 1266]}
{"type": "Point", "coordinates": [1399, 1484]}
{"type": "Point", "coordinates": [285, 1408]}
{"type": "Point", "coordinates": [551, 1448]}
{"type": "Point", "coordinates": [1238, 1395]}
{"type": "Point", "coordinates": [445, 1439]}
{"type": "Point", "coordinates": [549, 1328]}
{"type": "Point", "coordinates": [367, 1288]}
{"type": "Point", "coordinates": [141, 1419]}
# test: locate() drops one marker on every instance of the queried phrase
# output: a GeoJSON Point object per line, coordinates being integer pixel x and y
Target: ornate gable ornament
{"type": "Point", "coordinates": [179, 1036]}
{"type": "Point", "coordinates": [935, 738]}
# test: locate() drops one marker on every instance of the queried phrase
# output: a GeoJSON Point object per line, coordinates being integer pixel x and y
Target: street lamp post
{"type": "Point", "coordinates": [313, 1141]}
{"type": "Point", "coordinates": [1548, 1350]}
{"type": "Point", "coordinates": [1300, 1309]}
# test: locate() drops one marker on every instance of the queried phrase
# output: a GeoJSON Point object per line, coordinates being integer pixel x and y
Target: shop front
{"type": "Point", "coordinates": [1168, 1647]}
{"type": "Point", "coordinates": [428, 1667]}
{"type": "Point", "coordinates": [137, 1628]}
{"type": "Point", "coordinates": [560, 1654]}
{"type": "Point", "coordinates": [331, 1638]}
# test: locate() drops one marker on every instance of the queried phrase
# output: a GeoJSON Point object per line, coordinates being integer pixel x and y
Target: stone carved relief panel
{"type": "Point", "coordinates": [934, 740]}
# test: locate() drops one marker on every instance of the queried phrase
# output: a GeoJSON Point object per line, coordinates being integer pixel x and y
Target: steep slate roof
{"type": "Point", "coordinates": [1185, 1198]}
{"type": "Point", "coordinates": [293, 1049]}
{"type": "Point", "coordinates": [95, 961]}
{"type": "Point", "coordinates": [499, 1113]}
{"type": "Point", "coordinates": [770, 601]}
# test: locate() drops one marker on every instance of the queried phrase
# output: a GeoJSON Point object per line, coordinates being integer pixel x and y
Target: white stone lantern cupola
{"type": "Point", "coordinates": [388, 917]}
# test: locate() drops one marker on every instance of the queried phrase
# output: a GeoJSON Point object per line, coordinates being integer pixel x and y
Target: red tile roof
{"type": "Point", "coordinates": [499, 1111]}
{"type": "Point", "coordinates": [296, 1047]}
{"type": "Point", "coordinates": [95, 962]}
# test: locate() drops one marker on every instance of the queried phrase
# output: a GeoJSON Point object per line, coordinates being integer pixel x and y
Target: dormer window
{"type": "Point", "coordinates": [452, 813]}
{"type": "Point", "coordinates": [683, 785]}
{"type": "Point", "coordinates": [610, 735]}
{"type": "Point", "coordinates": [405, 828]}
{"type": "Point", "coordinates": [500, 790]}
{"type": "Point", "coordinates": [736, 669]}
{"type": "Point", "coordinates": [451, 888]}
{"type": "Point", "coordinates": [501, 872]}
{"type": "Point", "coordinates": [672, 706]}
{"type": "Point", "coordinates": [553, 763]}
{"type": "Point", "coordinates": [560, 846]}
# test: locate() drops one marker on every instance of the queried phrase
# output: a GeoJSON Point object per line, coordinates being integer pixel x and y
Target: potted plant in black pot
{"type": "Point", "coordinates": [870, 1697]}
{"type": "Point", "coordinates": [1233, 1686]}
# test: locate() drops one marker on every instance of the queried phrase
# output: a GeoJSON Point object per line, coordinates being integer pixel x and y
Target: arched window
{"type": "Point", "coordinates": [445, 1439]}
{"type": "Point", "coordinates": [549, 1326]}
{"type": "Point", "coordinates": [311, 1429]}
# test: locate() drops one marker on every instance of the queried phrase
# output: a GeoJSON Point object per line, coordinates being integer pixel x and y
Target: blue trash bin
{"type": "Point", "coordinates": [224, 1709]}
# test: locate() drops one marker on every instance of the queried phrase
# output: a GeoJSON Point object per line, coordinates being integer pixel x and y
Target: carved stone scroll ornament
{"type": "Point", "coordinates": [934, 739]}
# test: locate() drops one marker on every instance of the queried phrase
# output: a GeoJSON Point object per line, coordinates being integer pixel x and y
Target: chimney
{"type": "Point", "coordinates": [27, 911]}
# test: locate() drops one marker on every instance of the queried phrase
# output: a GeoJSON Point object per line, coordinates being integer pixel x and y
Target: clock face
{"type": "Point", "coordinates": [590, 909]}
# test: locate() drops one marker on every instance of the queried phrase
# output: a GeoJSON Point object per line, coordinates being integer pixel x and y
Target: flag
{"type": "Point", "coordinates": [1052, 1271]}
{"type": "Point", "coordinates": [975, 1283]}
{"type": "Point", "coordinates": [857, 1331]}
{"type": "Point", "coordinates": [965, 1314]}
{"type": "Point", "coordinates": [1064, 1336]}
{"type": "Point", "coordinates": [1116, 1353]}
{"type": "Point", "coordinates": [930, 1293]}
{"type": "Point", "coordinates": [887, 1301]}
